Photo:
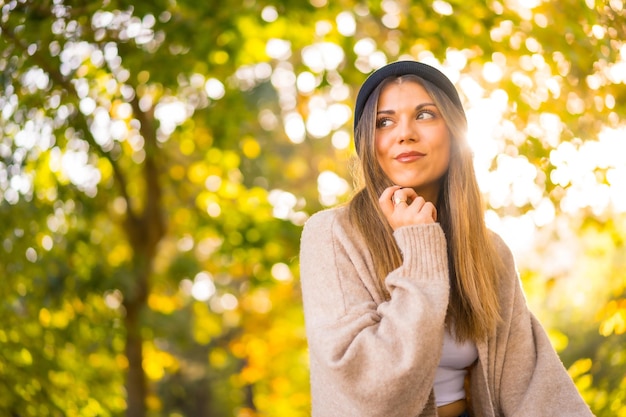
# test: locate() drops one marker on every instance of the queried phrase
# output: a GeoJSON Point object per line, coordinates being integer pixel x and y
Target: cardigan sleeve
{"type": "Point", "coordinates": [370, 356]}
{"type": "Point", "coordinates": [533, 380]}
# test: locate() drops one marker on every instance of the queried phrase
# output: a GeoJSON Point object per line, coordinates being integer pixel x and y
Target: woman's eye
{"type": "Point", "coordinates": [383, 122]}
{"type": "Point", "coordinates": [426, 114]}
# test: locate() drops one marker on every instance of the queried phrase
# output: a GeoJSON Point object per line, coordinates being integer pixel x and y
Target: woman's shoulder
{"type": "Point", "coordinates": [327, 219]}
{"type": "Point", "coordinates": [500, 246]}
{"type": "Point", "coordinates": [508, 273]}
{"type": "Point", "coordinates": [331, 226]}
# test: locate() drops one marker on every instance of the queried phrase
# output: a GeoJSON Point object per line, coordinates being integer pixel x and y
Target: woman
{"type": "Point", "coordinates": [412, 307]}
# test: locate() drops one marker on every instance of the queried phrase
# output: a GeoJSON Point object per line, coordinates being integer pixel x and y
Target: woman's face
{"type": "Point", "coordinates": [412, 139]}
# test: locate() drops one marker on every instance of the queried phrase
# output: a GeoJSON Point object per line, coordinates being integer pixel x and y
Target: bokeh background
{"type": "Point", "coordinates": [159, 158]}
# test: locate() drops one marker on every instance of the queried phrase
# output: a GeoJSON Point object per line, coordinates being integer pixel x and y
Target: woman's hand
{"type": "Point", "coordinates": [403, 207]}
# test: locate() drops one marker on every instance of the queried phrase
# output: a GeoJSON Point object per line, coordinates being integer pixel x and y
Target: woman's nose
{"type": "Point", "coordinates": [407, 131]}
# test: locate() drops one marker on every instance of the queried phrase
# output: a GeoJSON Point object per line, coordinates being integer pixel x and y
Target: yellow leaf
{"type": "Point", "coordinates": [153, 402]}
{"type": "Point", "coordinates": [614, 318]}
{"type": "Point", "coordinates": [580, 367]}
{"type": "Point", "coordinates": [250, 375]}
{"type": "Point", "coordinates": [250, 147]}
{"type": "Point", "coordinates": [177, 172]}
{"type": "Point", "coordinates": [198, 173]}
{"type": "Point", "coordinates": [60, 319]}
{"type": "Point", "coordinates": [25, 357]}
{"type": "Point", "coordinates": [105, 168]}
{"type": "Point", "coordinates": [154, 370]}
{"type": "Point", "coordinates": [122, 361]}
{"type": "Point", "coordinates": [218, 358]}
{"type": "Point", "coordinates": [61, 379]}
{"type": "Point", "coordinates": [187, 146]}
{"type": "Point", "coordinates": [45, 317]}
{"type": "Point", "coordinates": [182, 216]}
{"type": "Point", "coordinates": [219, 57]}
{"type": "Point", "coordinates": [297, 168]}
{"type": "Point", "coordinates": [163, 303]}
{"type": "Point", "coordinates": [206, 325]}
{"type": "Point", "coordinates": [119, 254]}
{"type": "Point", "coordinates": [231, 160]}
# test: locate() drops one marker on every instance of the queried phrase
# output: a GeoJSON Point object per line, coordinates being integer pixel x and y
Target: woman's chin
{"type": "Point", "coordinates": [405, 184]}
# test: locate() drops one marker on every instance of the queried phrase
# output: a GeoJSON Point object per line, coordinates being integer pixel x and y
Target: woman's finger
{"type": "Point", "coordinates": [430, 210]}
{"type": "Point", "coordinates": [409, 194]}
{"type": "Point", "coordinates": [405, 195]}
{"type": "Point", "coordinates": [386, 200]}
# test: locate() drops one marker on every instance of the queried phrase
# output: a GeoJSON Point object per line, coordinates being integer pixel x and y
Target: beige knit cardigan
{"type": "Point", "coordinates": [372, 357]}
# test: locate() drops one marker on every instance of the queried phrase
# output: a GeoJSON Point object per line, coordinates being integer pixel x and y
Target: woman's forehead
{"type": "Point", "coordinates": [406, 91]}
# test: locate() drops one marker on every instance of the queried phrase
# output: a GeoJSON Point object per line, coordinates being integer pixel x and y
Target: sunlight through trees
{"type": "Point", "coordinates": [158, 161]}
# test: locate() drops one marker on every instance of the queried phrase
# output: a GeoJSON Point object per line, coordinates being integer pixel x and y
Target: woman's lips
{"type": "Point", "coordinates": [409, 156]}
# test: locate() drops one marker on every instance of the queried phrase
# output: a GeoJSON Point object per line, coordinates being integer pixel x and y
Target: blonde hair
{"type": "Point", "coordinates": [474, 265]}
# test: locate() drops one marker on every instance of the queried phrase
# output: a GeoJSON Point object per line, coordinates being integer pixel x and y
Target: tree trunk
{"type": "Point", "coordinates": [144, 232]}
{"type": "Point", "coordinates": [135, 300]}
{"type": "Point", "coordinates": [136, 389]}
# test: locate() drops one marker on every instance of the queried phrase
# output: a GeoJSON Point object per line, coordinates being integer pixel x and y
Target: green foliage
{"type": "Point", "coordinates": [158, 159]}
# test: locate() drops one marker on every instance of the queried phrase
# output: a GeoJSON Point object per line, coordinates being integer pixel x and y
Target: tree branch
{"type": "Point", "coordinates": [77, 116]}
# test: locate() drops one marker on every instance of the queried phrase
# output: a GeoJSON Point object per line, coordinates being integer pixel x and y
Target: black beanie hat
{"type": "Point", "coordinates": [397, 69]}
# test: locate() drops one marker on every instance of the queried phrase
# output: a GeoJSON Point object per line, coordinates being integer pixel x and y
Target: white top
{"type": "Point", "coordinates": [450, 376]}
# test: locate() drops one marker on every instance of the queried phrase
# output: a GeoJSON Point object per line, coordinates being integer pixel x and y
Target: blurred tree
{"type": "Point", "coordinates": [105, 206]}
{"type": "Point", "coordinates": [158, 159]}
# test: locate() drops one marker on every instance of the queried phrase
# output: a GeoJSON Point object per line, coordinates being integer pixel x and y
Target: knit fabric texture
{"type": "Point", "coordinates": [373, 357]}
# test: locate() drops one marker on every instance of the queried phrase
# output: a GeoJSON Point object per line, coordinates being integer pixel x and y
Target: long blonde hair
{"type": "Point", "coordinates": [474, 266]}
